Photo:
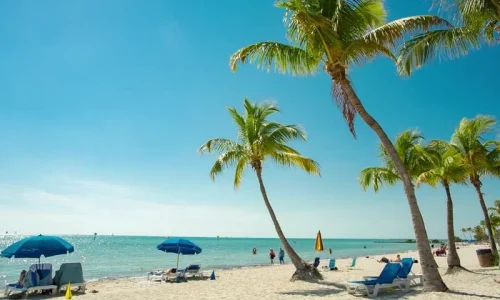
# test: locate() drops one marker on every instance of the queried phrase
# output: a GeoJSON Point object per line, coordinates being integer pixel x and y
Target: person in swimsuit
{"type": "Point", "coordinates": [282, 256]}
{"type": "Point", "coordinates": [272, 255]}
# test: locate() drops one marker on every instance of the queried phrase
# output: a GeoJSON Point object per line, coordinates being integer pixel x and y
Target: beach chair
{"type": "Point", "coordinates": [194, 271]}
{"type": "Point", "coordinates": [386, 279]}
{"type": "Point", "coordinates": [178, 276]}
{"type": "Point", "coordinates": [38, 278]}
{"type": "Point", "coordinates": [316, 262]}
{"type": "Point", "coordinates": [71, 273]}
{"type": "Point", "coordinates": [353, 264]}
{"type": "Point", "coordinates": [331, 264]}
{"type": "Point", "coordinates": [405, 273]}
{"type": "Point", "coordinates": [156, 276]}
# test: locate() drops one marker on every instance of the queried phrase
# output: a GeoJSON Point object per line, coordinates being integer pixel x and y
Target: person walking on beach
{"type": "Point", "coordinates": [272, 255]}
{"type": "Point", "coordinates": [282, 256]}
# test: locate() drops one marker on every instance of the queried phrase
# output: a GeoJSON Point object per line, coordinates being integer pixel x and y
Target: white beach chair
{"type": "Point", "coordinates": [38, 278]}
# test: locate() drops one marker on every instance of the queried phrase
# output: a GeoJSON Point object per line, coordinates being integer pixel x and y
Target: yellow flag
{"type": "Point", "coordinates": [69, 295]}
{"type": "Point", "coordinates": [318, 246]}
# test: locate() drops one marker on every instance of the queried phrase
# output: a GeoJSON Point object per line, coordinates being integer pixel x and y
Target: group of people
{"type": "Point", "coordinates": [281, 255]}
{"type": "Point", "coordinates": [272, 255]}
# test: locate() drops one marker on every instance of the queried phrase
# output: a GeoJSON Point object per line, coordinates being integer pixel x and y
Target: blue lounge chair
{"type": "Point", "coordinates": [316, 262]}
{"type": "Point", "coordinates": [331, 264]}
{"type": "Point", "coordinates": [353, 264]}
{"type": "Point", "coordinates": [386, 279]}
{"type": "Point", "coordinates": [195, 271]}
{"type": "Point", "coordinates": [405, 273]}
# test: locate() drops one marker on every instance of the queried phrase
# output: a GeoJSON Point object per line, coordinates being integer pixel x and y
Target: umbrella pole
{"type": "Point", "coordinates": [178, 253]}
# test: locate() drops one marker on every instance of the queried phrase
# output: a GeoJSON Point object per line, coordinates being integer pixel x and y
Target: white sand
{"type": "Point", "coordinates": [272, 282]}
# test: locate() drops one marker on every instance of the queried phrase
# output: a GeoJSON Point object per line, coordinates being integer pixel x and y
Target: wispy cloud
{"type": "Point", "coordinates": [85, 206]}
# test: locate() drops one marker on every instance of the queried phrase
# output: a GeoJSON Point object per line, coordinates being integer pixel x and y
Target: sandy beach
{"type": "Point", "coordinates": [272, 282]}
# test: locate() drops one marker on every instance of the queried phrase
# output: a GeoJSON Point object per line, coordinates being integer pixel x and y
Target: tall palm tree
{"type": "Point", "coordinates": [463, 231]}
{"type": "Point", "coordinates": [470, 230]}
{"type": "Point", "coordinates": [479, 234]}
{"type": "Point", "coordinates": [446, 169]}
{"type": "Point", "coordinates": [338, 35]}
{"type": "Point", "coordinates": [260, 139]}
{"type": "Point", "coordinates": [481, 158]}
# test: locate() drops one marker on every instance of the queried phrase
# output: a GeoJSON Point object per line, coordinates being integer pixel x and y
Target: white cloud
{"type": "Point", "coordinates": [86, 206]}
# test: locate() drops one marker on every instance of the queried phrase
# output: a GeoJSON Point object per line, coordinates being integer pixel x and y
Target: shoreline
{"type": "Point", "coordinates": [273, 282]}
{"type": "Point", "coordinates": [257, 266]}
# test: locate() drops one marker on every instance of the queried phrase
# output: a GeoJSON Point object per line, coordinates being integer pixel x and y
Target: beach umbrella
{"type": "Point", "coordinates": [318, 246]}
{"type": "Point", "coordinates": [36, 246]}
{"type": "Point", "coordinates": [179, 246]}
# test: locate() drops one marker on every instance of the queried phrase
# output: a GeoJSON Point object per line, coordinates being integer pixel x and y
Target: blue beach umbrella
{"type": "Point", "coordinates": [179, 246]}
{"type": "Point", "coordinates": [36, 246]}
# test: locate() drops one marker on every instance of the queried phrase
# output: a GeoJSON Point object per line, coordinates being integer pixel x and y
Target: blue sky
{"type": "Point", "coordinates": [104, 104]}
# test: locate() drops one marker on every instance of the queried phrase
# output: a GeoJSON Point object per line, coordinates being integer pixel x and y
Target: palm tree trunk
{"type": "Point", "coordinates": [453, 259]}
{"type": "Point", "coordinates": [477, 185]}
{"type": "Point", "coordinates": [303, 270]}
{"type": "Point", "coordinates": [432, 278]}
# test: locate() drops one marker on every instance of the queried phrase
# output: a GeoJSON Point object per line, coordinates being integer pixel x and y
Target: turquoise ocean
{"type": "Point", "coordinates": [131, 256]}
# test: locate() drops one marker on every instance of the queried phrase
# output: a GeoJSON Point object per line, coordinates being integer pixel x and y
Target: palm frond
{"type": "Point", "coordinates": [226, 159]}
{"type": "Point", "coordinates": [431, 177]}
{"type": "Point", "coordinates": [391, 33]}
{"type": "Point", "coordinates": [285, 133]}
{"type": "Point", "coordinates": [280, 57]}
{"type": "Point", "coordinates": [362, 50]}
{"type": "Point", "coordinates": [377, 177]}
{"type": "Point", "coordinates": [238, 174]}
{"type": "Point", "coordinates": [343, 103]}
{"type": "Point", "coordinates": [442, 43]}
{"type": "Point", "coordinates": [288, 159]}
{"type": "Point", "coordinates": [219, 145]}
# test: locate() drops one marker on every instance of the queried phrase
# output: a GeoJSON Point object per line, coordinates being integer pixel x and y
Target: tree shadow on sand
{"type": "Point", "coordinates": [319, 292]}
{"type": "Point", "coordinates": [472, 295]}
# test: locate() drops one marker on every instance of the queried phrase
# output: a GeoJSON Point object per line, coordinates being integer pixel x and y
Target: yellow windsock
{"type": "Point", "coordinates": [68, 295]}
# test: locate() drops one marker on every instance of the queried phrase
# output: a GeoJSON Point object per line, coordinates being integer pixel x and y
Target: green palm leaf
{"type": "Point", "coordinates": [283, 58]}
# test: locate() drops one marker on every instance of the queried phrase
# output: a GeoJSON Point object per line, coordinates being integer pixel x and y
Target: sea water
{"type": "Point", "coordinates": [130, 256]}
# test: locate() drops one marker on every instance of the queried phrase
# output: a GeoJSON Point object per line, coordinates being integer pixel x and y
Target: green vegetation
{"type": "Point", "coordinates": [336, 36]}
{"type": "Point", "coordinates": [260, 139]}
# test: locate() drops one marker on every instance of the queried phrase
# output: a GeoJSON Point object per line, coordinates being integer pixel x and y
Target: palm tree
{"type": "Point", "coordinates": [338, 35]}
{"type": "Point", "coordinates": [479, 234]}
{"type": "Point", "coordinates": [409, 148]}
{"type": "Point", "coordinates": [258, 140]}
{"type": "Point", "coordinates": [463, 230]}
{"type": "Point", "coordinates": [470, 230]}
{"type": "Point", "coordinates": [481, 158]}
{"type": "Point", "coordinates": [446, 169]}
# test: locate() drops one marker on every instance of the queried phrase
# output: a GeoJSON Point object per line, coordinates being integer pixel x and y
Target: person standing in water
{"type": "Point", "coordinates": [272, 255]}
{"type": "Point", "coordinates": [254, 251]}
{"type": "Point", "coordinates": [282, 256]}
